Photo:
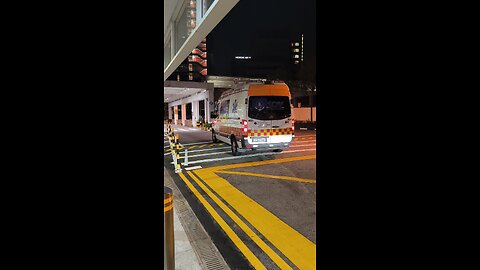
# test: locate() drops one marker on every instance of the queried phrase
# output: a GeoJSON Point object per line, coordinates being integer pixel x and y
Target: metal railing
{"type": "Point", "coordinates": [169, 246]}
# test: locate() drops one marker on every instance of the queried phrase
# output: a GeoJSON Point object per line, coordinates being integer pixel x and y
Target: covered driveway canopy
{"type": "Point", "coordinates": [174, 90]}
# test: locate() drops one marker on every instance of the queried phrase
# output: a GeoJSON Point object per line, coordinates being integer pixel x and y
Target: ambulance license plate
{"type": "Point", "coordinates": [259, 139]}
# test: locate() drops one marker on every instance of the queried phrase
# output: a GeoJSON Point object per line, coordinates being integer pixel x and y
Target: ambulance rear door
{"type": "Point", "coordinates": [269, 115]}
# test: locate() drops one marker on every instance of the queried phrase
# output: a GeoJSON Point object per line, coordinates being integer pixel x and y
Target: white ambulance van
{"type": "Point", "coordinates": [254, 114]}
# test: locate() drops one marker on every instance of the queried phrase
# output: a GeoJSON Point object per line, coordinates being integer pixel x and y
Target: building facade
{"type": "Point", "coordinates": [296, 51]}
{"type": "Point", "coordinates": [194, 67]}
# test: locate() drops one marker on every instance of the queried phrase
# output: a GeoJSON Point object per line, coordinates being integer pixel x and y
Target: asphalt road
{"type": "Point", "coordinates": [258, 207]}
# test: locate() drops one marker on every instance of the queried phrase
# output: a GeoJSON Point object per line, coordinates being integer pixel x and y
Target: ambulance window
{"type": "Point", "coordinates": [269, 107]}
{"type": "Point", "coordinates": [234, 107]}
{"type": "Point", "coordinates": [224, 107]}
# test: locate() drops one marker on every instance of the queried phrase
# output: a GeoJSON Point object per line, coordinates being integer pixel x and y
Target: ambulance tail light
{"type": "Point", "coordinates": [245, 128]}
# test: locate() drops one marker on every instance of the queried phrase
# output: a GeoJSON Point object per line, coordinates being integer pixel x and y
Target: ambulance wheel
{"type": "Point", "coordinates": [278, 150]}
{"type": "Point", "coordinates": [234, 145]}
{"type": "Point", "coordinates": [214, 137]}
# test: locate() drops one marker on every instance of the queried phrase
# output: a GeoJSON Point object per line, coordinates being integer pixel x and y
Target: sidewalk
{"type": "Point", "coordinates": [185, 257]}
{"type": "Point", "coordinates": [194, 250]}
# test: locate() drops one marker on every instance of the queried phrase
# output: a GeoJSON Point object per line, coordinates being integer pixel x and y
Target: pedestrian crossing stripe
{"type": "Point", "coordinates": [220, 144]}
{"type": "Point", "coordinates": [194, 146]}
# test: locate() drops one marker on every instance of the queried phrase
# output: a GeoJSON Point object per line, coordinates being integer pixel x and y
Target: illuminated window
{"type": "Point", "coordinates": [297, 44]}
{"type": "Point", "coordinates": [296, 62]}
{"type": "Point", "coordinates": [296, 50]}
{"type": "Point", "coordinates": [190, 67]}
{"type": "Point", "coordinates": [190, 76]}
{"type": "Point", "coordinates": [296, 56]}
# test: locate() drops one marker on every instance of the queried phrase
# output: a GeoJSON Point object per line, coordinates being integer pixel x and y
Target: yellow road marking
{"type": "Point", "coordinates": [212, 145]}
{"type": "Point", "coordinates": [203, 145]}
{"type": "Point", "coordinates": [191, 147]}
{"type": "Point", "coordinates": [270, 176]}
{"type": "Point", "coordinates": [296, 247]}
{"type": "Point", "coordinates": [274, 256]}
{"type": "Point", "coordinates": [220, 144]}
{"type": "Point", "coordinates": [230, 233]}
{"type": "Point", "coordinates": [257, 163]}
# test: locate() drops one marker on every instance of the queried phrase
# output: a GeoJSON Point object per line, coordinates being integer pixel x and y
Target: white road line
{"type": "Point", "coordinates": [193, 168]}
{"type": "Point", "coordinates": [227, 147]}
{"type": "Point", "coordinates": [247, 156]}
{"type": "Point", "coordinates": [207, 149]}
{"type": "Point", "coordinates": [203, 149]}
{"type": "Point", "coordinates": [207, 154]}
{"type": "Point", "coordinates": [207, 142]}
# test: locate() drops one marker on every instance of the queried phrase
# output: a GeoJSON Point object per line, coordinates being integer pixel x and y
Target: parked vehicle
{"type": "Point", "coordinates": [254, 115]}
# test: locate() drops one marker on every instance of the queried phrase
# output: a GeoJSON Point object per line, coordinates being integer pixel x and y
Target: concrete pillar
{"type": "Point", "coordinates": [175, 109]}
{"type": "Point", "coordinates": [195, 111]}
{"type": "Point", "coordinates": [184, 113]}
{"type": "Point", "coordinates": [210, 102]}
{"type": "Point", "coordinates": [170, 113]}
{"type": "Point", "coordinates": [206, 117]}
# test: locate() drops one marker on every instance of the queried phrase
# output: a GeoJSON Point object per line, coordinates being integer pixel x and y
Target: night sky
{"type": "Point", "coordinates": [261, 28]}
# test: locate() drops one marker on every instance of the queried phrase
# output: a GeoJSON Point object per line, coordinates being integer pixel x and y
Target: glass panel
{"type": "Point", "coordinates": [207, 4]}
{"type": "Point", "coordinates": [167, 54]}
{"type": "Point", "coordinates": [181, 33]}
{"type": "Point", "coordinates": [185, 24]}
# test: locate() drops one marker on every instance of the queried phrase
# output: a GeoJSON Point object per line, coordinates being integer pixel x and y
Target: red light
{"type": "Point", "coordinates": [245, 129]}
{"type": "Point", "coordinates": [244, 122]}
